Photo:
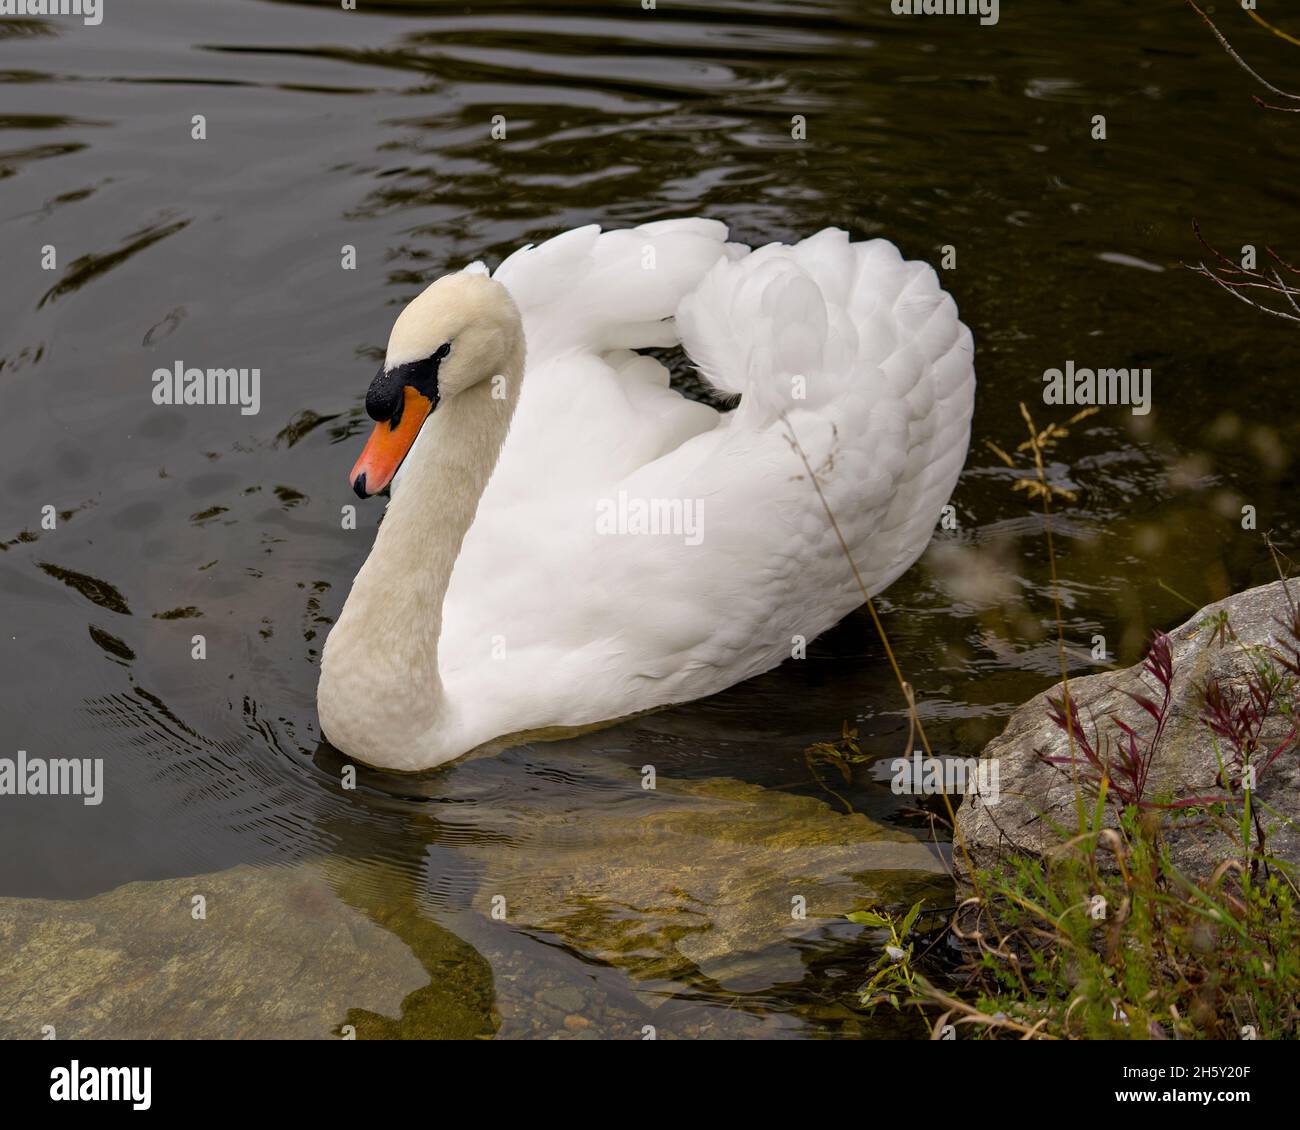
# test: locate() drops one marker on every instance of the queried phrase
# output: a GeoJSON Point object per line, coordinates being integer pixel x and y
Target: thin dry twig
{"type": "Point", "coordinates": [904, 686]}
{"type": "Point", "coordinates": [1236, 279]}
{"type": "Point", "coordinates": [1245, 66]}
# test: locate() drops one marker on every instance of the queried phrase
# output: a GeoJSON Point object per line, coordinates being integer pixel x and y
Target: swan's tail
{"type": "Point", "coordinates": [862, 356]}
{"type": "Point", "coordinates": [801, 326]}
{"type": "Point", "coordinates": [611, 290]}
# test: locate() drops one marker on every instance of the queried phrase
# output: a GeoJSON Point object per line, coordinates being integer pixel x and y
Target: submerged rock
{"type": "Point", "coordinates": [278, 955]}
{"type": "Point", "coordinates": [714, 877]}
{"type": "Point", "coordinates": [710, 884]}
{"type": "Point", "coordinates": [1037, 808]}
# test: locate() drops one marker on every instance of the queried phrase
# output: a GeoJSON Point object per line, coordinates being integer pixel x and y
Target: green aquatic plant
{"type": "Point", "coordinates": [840, 755]}
{"type": "Point", "coordinates": [894, 974]}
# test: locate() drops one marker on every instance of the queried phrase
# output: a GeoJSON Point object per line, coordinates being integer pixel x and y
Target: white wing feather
{"type": "Point", "coordinates": [845, 345]}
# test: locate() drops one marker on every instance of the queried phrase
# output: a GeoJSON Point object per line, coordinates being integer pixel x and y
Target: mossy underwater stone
{"type": "Point", "coordinates": [702, 876]}
{"type": "Point", "coordinates": [278, 955]}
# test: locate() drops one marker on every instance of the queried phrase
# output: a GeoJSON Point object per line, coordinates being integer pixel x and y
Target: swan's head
{"type": "Point", "coordinates": [462, 330]}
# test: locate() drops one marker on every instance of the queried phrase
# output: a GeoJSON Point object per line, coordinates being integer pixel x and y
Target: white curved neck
{"type": "Point", "coordinates": [381, 697]}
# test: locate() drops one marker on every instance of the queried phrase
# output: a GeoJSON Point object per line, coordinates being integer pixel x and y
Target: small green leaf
{"type": "Point", "coordinates": [867, 918]}
{"type": "Point", "coordinates": [910, 919]}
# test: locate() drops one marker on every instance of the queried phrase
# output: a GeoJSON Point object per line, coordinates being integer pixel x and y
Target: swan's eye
{"type": "Point", "coordinates": [385, 399]}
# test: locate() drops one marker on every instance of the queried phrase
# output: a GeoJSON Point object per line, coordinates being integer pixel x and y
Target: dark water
{"type": "Point", "coordinates": [328, 128]}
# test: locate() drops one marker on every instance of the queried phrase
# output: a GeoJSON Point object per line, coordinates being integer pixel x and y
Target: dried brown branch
{"type": "Point", "coordinates": [1237, 280]}
{"type": "Point", "coordinates": [1245, 66]}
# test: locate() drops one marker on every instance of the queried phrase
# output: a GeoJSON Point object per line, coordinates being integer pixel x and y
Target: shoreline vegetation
{"type": "Point", "coordinates": [1154, 903]}
{"type": "Point", "coordinates": [1112, 926]}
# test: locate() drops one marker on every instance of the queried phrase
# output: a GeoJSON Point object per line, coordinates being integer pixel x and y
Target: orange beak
{"type": "Point", "coordinates": [389, 443]}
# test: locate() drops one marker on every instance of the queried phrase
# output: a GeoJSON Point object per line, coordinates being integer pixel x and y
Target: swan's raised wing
{"type": "Point", "coordinates": [591, 410]}
{"type": "Point", "coordinates": [861, 357]}
{"type": "Point", "coordinates": [590, 291]}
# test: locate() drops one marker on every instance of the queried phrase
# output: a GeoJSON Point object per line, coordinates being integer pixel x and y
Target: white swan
{"type": "Point", "coordinates": [498, 601]}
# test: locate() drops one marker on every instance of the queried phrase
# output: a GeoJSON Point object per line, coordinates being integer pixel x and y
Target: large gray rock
{"type": "Point", "coordinates": [1036, 810]}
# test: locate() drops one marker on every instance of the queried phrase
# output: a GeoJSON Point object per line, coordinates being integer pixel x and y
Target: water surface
{"type": "Point", "coordinates": [370, 129]}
